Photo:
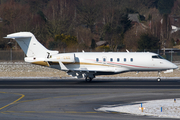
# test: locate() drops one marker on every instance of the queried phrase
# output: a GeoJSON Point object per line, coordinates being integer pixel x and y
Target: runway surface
{"type": "Point", "coordinates": [72, 99]}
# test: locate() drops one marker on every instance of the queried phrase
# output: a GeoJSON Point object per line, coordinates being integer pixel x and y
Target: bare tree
{"type": "Point", "coordinates": [12, 13]}
{"type": "Point", "coordinates": [60, 15]}
{"type": "Point", "coordinates": [88, 12]}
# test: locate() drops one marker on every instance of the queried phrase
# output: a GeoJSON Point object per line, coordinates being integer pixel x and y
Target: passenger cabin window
{"type": "Point", "coordinates": [124, 59]}
{"type": "Point", "coordinates": [118, 60]}
{"type": "Point", "coordinates": [97, 59]}
{"type": "Point", "coordinates": [111, 59]}
{"type": "Point", "coordinates": [104, 59]}
{"type": "Point", "coordinates": [131, 59]}
{"type": "Point", "coordinates": [157, 57]}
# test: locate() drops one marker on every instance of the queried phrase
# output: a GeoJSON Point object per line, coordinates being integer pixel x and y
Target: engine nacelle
{"type": "Point", "coordinates": [33, 59]}
{"type": "Point", "coordinates": [66, 58]}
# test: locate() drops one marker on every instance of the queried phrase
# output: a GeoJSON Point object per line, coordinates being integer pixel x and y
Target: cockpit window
{"type": "Point", "coordinates": [157, 57]}
{"type": "Point", "coordinates": [160, 57]}
{"type": "Point", "coordinates": [154, 56]}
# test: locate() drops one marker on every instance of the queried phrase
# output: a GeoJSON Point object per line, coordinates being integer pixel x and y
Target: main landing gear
{"type": "Point", "coordinates": [88, 79]}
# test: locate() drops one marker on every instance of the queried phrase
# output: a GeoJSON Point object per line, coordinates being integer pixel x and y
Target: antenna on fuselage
{"type": "Point", "coordinates": [127, 51]}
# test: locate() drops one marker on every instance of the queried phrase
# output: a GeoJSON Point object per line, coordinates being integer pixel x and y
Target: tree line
{"type": "Point", "coordinates": [76, 24]}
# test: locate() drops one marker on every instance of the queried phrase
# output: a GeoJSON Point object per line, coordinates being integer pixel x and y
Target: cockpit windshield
{"type": "Point", "coordinates": [157, 57]}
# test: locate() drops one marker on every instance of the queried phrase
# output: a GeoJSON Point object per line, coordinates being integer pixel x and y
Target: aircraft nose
{"type": "Point", "coordinates": [174, 66]}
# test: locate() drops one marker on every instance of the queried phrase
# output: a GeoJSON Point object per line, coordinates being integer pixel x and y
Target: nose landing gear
{"type": "Point", "coordinates": [158, 79]}
{"type": "Point", "coordinates": [159, 75]}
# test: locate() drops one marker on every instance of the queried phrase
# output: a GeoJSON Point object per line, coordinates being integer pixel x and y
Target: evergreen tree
{"type": "Point", "coordinates": [165, 6]}
{"type": "Point", "coordinates": [148, 42]}
{"type": "Point", "coordinates": [93, 44]}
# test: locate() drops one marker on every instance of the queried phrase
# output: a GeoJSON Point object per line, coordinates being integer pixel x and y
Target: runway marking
{"type": "Point", "coordinates": [33, 100]}
{"type": "Point", "coordinates": [68, 112]}
{"type": "Point", "coordinates": [59, 97]}
{"type": "Point", "coordinates": [45, 98]}
{"type": "Point", "coordinates": [13, 101]}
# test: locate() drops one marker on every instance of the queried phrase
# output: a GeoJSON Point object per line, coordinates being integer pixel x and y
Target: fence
{"type": "Point", "coordinates": [18, 55]}
{"type": "Point", "coordinates": [11, 55]}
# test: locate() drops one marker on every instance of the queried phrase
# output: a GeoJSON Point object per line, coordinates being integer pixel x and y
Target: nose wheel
{"type": "Point", "coordinates": [158, 79]}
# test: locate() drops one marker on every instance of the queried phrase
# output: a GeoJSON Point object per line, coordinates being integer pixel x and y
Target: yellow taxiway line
{"type": "Point", "coordinates": [13, 101]}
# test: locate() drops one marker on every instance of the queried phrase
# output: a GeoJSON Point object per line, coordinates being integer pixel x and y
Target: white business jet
{"type": "Point", "coordinates": [89, 64]}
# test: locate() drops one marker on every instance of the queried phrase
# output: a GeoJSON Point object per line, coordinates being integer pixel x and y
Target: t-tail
{"type": "Point", "coordinates": [33, 49]}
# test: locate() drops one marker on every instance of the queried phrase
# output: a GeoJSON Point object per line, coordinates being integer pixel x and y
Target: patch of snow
{"type": "Point", "coordinates": [170, 108]}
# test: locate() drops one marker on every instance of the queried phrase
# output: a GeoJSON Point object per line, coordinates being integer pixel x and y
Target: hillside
{"type": "Point", "coordinates": [59, 23]}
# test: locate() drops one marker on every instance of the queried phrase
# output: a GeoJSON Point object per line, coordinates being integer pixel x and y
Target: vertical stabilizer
{"type": "Point", "coordinates": [30, 45]}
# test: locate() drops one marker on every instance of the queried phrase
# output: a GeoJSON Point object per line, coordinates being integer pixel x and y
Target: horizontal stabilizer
{"type": "Point", "coordinates": [17, 37]}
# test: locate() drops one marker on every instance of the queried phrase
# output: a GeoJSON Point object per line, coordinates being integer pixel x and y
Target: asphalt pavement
{"type": "Point", "coordinates": [72, 99]}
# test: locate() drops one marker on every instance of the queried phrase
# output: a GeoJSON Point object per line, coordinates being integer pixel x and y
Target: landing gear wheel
{"type": "Point", "coordinates": [88, 79]}
{"type": "Point", "coordinates": [158, 79]}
